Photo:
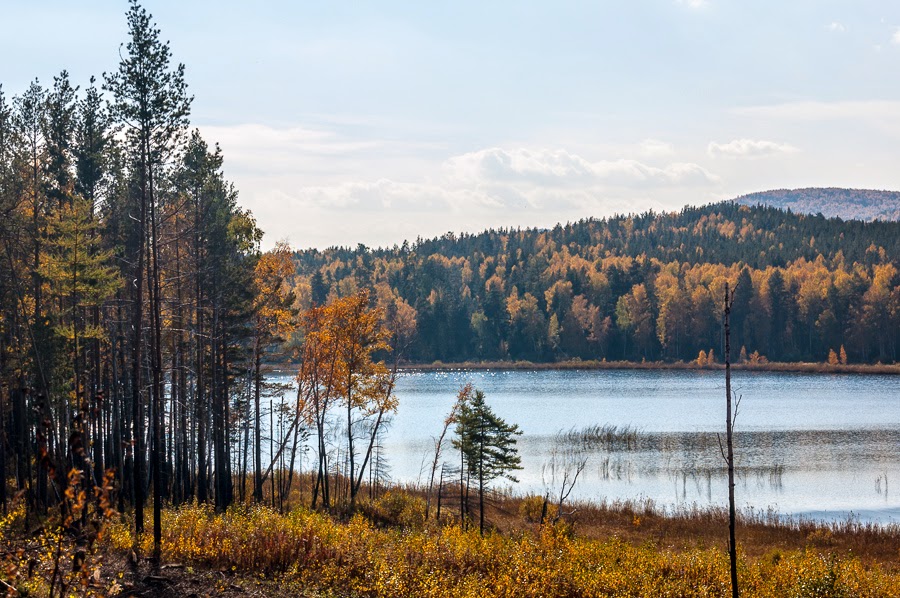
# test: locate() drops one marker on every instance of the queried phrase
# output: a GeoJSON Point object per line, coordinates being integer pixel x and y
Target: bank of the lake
{"type": "Point", "coordinates": [799, 367]}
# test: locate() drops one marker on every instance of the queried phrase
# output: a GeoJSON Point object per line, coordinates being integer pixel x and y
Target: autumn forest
{"type": "Point", "coordinates": [639, 287]}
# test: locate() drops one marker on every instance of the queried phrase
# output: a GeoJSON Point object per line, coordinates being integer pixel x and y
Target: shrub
{"type": "Point", "coordinates": [359, 559]}
{"type": "Point", "coordinates": [531, 508]}
{"type": "Point", "coordinates": [400, 508]}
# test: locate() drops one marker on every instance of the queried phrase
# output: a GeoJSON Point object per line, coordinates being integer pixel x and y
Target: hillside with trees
{"type": "Point", "coordinates": [831, 202]}
{"type": "Point", "coordinates": [637, 287]}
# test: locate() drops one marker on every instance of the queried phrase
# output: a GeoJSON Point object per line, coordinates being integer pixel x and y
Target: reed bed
{"type": "Point", "coordinates": [606, 437]}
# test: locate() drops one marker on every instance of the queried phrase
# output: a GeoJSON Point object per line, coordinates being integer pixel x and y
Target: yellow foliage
{"type": "Point", "coordinates": [757, 359]}
{"type": "Point", "coordinates": [272, 305]}
{"type": "Point", "coordinates": [532, 507]}
{"type": "Point", "coordinates": [400, 508]}
{"type": "Point", "coordinates": [701, 358]}
{"type": "Point", "coordinates": [60, 556]}
{"type": "Point", "coordinates": [357, 558]}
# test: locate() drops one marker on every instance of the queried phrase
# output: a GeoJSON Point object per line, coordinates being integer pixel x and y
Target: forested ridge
{"type": "Point", "coordinates": [637, 287]}
{"type": "Point", "coordinates": [856, 204]}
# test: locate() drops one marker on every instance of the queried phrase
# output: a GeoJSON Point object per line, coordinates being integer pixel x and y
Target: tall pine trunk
{"type": "Point", "coordinates": [137, 321]}
{"type": "Point", "coordinates": [157, 448]}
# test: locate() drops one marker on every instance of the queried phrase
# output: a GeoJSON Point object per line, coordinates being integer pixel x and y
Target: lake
{"type": "Point", "coordinates": [817, 445]}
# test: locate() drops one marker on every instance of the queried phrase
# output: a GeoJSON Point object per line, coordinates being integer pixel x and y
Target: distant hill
{"type": "Point", "coordinates": [642, 286]}
{"type": "Point", "coordinates": [847, 204]}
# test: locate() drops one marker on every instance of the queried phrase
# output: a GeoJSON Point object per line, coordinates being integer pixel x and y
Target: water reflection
{"type": "Point", "coordinates": [814, 445]}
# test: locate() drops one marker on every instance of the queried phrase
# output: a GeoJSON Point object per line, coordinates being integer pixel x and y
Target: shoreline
{"type": "Point", "coordinates": [788, 367]}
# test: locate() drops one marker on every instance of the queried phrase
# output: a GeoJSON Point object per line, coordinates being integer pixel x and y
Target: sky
{"type": "Point", "coordinates": [378, 122]}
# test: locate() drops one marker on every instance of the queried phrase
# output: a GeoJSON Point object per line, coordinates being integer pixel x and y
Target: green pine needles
{"type": "Point", "coordinates": [487, 446]}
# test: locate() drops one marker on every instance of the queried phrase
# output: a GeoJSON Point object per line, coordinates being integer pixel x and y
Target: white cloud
{"type": "Point", "coordinates": [654, 148]}
{"type": "Point", "coordinates": [387, 194]}
{"type": "Point", "coordinates": [262, 149]}
{"type": "Point", "coordinates": [254, 137]}
{"type": "Point", "coordinates": [540, 167]}
{"type": "Point", "coordinates": [497, 179]}
{"type": "Point", "coordinates": [468, 192]}
{"type": "Point", "coordinates": [836, 27]}
{"type": "Point", "coordinates": [895, 39]}
{"type": "Point", "coordinates": [749, 148]}
{"type": "Point", "coordinates": [559, 168]}
{"type": "Point", "coordinates": [321, 185]}
{"type": "Point", "coordinates": [693, 3]}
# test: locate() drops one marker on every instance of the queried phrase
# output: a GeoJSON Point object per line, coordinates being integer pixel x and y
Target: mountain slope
{"type": "Point", "coordinates": [848, 204]}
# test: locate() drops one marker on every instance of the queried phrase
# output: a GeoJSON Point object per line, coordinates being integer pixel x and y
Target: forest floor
{"type": "Point", "coordinates": [184, 581]}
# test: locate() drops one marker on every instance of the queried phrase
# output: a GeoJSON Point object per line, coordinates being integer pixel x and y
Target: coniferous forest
{"type": "Point", "coordinates": [141, 320]}
{"type": "Point", "coordinates": [639, 287]}
{"type": "Point", "coordinates": [131, 290]}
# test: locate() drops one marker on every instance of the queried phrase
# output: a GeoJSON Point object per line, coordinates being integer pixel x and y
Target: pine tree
{"type": "Point", "coordinates": [92, 138]}
{"type": "Point", "coordinates": [151, 98]}
{"type": "Point", "coordinates": [59, 124]}
{"type": "Point", "coordinates": [77, 271]}
{"type": "Point", "coordinates": [80, 278]}
{"type": "Point", "coordinates": [488, 446]}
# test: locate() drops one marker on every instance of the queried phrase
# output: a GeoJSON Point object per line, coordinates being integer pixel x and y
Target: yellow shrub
{"type": "Point", "coordinates": [358, 558]}
{"type": "Point", "coordinates": [532, 507]}
{"type": "Point", "coordinates": [400, 508]}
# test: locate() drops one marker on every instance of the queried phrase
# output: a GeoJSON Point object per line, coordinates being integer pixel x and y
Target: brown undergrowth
{"type": "Point", "coordinates": [637, 522]}
{"type": "Point", "coordinates": [388, 548]}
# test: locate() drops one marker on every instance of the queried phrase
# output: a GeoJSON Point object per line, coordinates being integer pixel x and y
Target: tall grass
{"type": "Point", "coordinates": [606, 437]}
{"type": "Point", "coordinates": [359, 558]}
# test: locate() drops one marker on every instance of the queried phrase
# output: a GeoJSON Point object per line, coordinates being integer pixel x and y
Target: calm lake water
{"type": "Point", "coordinates": [821, 446]}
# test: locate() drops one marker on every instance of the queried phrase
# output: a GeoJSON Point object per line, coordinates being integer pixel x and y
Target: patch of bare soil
{"type": "Point", "coordinates": [183, 581]}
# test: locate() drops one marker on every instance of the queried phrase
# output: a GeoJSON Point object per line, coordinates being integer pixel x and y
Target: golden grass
{"type": "Point", "coordinates": [360, 557]}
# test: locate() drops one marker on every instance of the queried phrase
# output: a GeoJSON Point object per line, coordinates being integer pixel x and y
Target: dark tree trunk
{"type": "Point", "coordinates": [257, 438]}
{"type": "Point", "coordinates": [137, 322]}
{"type": "Point", "coordinates": [157, 447]}
{"type": "Point", "coordinates": [729, 441]}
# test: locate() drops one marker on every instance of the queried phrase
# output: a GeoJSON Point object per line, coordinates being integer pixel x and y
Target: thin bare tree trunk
{"type": "Point", "coordinates": [729, 441]}
{"type": "Point", "coordinates": [257, 443]}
